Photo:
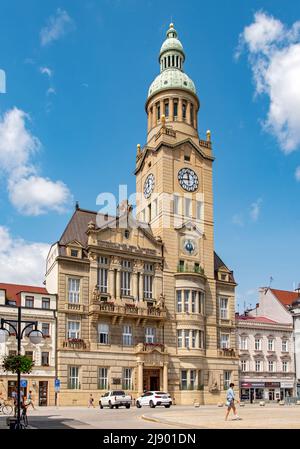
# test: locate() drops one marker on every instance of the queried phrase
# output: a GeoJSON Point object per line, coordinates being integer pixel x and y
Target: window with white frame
{"type": "Point", "coordinates": [103, 333]}
{"type": "Point", "coordinates": [224, 341]}
{"type": "Point", "coordinates": [46, 329]}
{"type": "Point", "coordinates": [179, 300]}
{"type": "Point", "coordinates": [74, 290]}
{"type": "Point", "coordinates": [74, 377]}
{"type": "Point", "coordinates": [148, 280]}
{"type": "Point", "coordinates": [202, 302]}
{"type": "Point", "coordinates": [29, 301]}
{"type": "Point", "coordinates": [125, 277]}
{"type": "Point", "coordinates": [285, 345]}
{"type": "Point", "coordinates": [188, 207]}
{"type": "Point", "coordinates": [198, 210]}
{"type": "Point", "coordinates": [127, 335]}
{"type": "Point", "coordinates": [194, 338]}
{"type": "Point", "coordinates": [192, 379]}
{"type": "Point", "coordinates": [127, 375]}
{"type": "Point", "coordinates": [186, 338]}
{"type": "Point", "coordinates": [243, 365]}
{"type": "Point", "coordinates": [227, 379]}
{"type": "Point", "coordinates": [103, 274]}
{"type": "Point", "coordinates": [258, 365]}
{"type": "Point", "coordinates": [176, 205]}
{"type": "Point", "coordinates": [186, 300]}
{"type": "Point", "coordinates": [194, 297]}
{"type": "Point", "coordinates": [183, 380]}
{"type": "Point", "coordinates": [285, 366]}
{"type": "Point", "coordinates": [73, 329]}
{"type": "Point", "coordinates": [155, 207]}
{"type": "Point", "coordinates": [271, 366]}
{"type": "Point", "coordinates": [45, 303]}
{"type": "Point", "coordinates": [224, 308]}
{"type": "Point", "coordinates": [258, 344]}
{"type": "Point", "coordinates": [179, 338]}
{"type": "Point", "coordinates": [244, 342]}
{"type": "Point", "coordinates": [201, 339]}
{"type": "Point", "coordinates": [271, 345]}
{"type": "Point", "coordinates": [103, 378]}
{"type": "Point", "coordinates": [150, 335]}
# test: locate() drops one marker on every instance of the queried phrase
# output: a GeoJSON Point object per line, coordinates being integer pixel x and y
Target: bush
{"type": "Point", "coordinates": [15, 363]}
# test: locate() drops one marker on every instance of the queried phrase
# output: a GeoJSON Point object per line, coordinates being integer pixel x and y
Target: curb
{"type": "Point", "coordinates": [170, 423]}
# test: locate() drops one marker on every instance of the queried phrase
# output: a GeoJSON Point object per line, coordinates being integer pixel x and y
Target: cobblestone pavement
{"type": "Point", "coordinates": [206, 417]}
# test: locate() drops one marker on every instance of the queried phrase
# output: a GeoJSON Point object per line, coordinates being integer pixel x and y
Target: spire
{"type": "Point", "coordinates": [171, 53]}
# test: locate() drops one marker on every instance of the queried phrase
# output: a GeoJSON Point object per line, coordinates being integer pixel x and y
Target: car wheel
{"type": "Point", "coordinates": [100, 405]}
{"type": "Point", "coordinates": [110, 405]}
{"type": "Point", "coordinates": [117, 406]}
{"type": "Point", "coordinates": [127, 405]}
{"type": "Point", "coordinates": [138, 404]}
{"type": "Point", "coordinates": [167, 405]}
{"type": "Point", "coordinates": [151, 403]}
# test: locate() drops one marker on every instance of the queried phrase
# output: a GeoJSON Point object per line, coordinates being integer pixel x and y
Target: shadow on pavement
{"type": "Point", "coordinates": [49, 422]}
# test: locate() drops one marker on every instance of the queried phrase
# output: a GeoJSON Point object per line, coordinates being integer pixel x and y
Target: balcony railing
{"type": "Point", "coordinates": [227, 352]}
{"type": "Point", "coordinates": [75, 343]}
{"type": "Point", "coordinates": [187, 268]}
{"type": "Point", "coordinates": [110, 308]}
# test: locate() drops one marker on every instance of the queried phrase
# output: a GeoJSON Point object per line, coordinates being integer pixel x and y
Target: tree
{"type": "Point", "coordinates": [18, 363]}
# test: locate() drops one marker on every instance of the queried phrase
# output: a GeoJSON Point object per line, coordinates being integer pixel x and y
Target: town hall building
{"type": "Point", "coordinates": [143, 300]}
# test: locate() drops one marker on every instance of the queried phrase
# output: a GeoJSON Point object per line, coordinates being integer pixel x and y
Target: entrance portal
{"type": "Point", "coordinates": [151, 378]}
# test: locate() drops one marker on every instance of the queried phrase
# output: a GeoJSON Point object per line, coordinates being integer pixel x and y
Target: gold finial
{"type": "Point", "coordinates": [171, 25]}
{"type": "Point", "coordinates": [138, 148]}
{"type": "Point", "coordinates": [208, 135]}
{"type": "Point", "coordinates": [163, 120]}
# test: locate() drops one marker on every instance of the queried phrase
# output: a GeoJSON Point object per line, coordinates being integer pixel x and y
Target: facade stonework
{"type": "Point", "coordinates": [144, 302]}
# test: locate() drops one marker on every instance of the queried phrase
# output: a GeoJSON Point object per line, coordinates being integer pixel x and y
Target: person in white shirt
{"type": "Point", "coordinates": [230, 397]}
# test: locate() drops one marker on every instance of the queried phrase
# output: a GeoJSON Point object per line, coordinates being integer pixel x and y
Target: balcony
{"type": "Point", "coordinates": [129, 310]}
{"type": "Point", "coordinates": [190, 269]}
{"type": "Point", "coordinates": [75, 307]}
{"type": "Point", "coordinates": [75, 343]}
{"type": "Point", "coordinates": [148, 347]}
{"type": "Point", "coordinates": [227, 352]}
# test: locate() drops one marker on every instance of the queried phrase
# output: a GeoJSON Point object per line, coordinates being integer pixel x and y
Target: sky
{"type": "Point", "coordinates": [72, 113]}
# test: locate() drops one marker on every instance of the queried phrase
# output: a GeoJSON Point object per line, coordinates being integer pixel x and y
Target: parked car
{"type": "Point", "coordinates": [154, 398]}
{"type": "Point", "coordinates": [115, 398]}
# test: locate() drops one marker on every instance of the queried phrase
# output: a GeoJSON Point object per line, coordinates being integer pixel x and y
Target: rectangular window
{"type": "Point", "coordinates": [201, 340]}
{"type": "Point", "coordinates": [198, 210]}
{"type": "Point", "coordinates": [285, 366]}
{"type": "Point", "coordinates": [194, 338]}
{"type": "Point", "coordinates": [158, 111]}
{"type": "Point", "coordinates": [127, 374]}
{"type": "Point", "coordinates": [103, 333]}
{"type": "Point", "coordinates": [202, 303]}
{"type": "Point", "coordinates": [74, 378]}
{"type": "Point", "coordinates": [183, 379]}
{"type": "Point", "coordinates": [29, 354]}
{"type": "Point", "coordinates": [45, 358]}
{"type": "Point", "coordinates": [192, 379]}
{"type": "Point", "coordinates": [224, 308]}
{"type": "Point", "coordinates": [188, 207]}
{"type": "Point", "coordinates": [155, 208]}
{"type": "Point", "coordinates": [258, 344]}
{"type": "Point", "coordinates": [187, 338]}
{"type": "Point", "coordinates": [28, 329]}
{"type": "Point", "coordinates": [176, 205]}
{"type": "Point", "coordinates": [192, 114]}
{"type": "Point", "coordinates": [175, 108]}
{"type": "Point", "coordinates": [103, 379]}
{"type": "Point", "coordinates": [285, 346]}
{"type": "Point", "coordinates": [270, 344]}
{"type": "Point", "coordinates": [224, 341]}
{"type": "Point", "coordinates": [150, 335]}
{"type": "Point", "coordinates": [12, 352]}
{"type": "Point", "coordinates": [258, 365]}
{"type": "Point", "coordinates": [227, 379]}
{"type": "Point", "coordinates": [271, 366]}
{"type": "Point", "coordinates": [184, 110]}
{"type": "Point", "coordinates": [45, 303]}
{"type": "Point", "coordinates": [73, 329]}
{"type": "Point", "coordinates": [29, 301]}
{"type": "Point", "coordinates": [243, 365]}
{"type": "Point", "coordinates": [125, 278]}
{"type": "Point", "coordinates": [194, 296]}
{"type": "Point", "coordinates": [179, 338]}
{"type": "Point", "coordinates": [74, 290]}
{"type": "Point", "coordinates": [186, 300]}
{"type": "Point", "coordinates": [148, 280]}
{"type": "Point", "coordinates": [244, 343]}
{"type": "Point", "coordinates": [46, 329]}
{"type": "Point", "coordinates": [167, 109]}
{"type": "Point", "coordinates": [74, 252]}
{"type": "Point", "coordinates": [127, 335]}
{"type": "Point", "coordinates": [102, 279]}
{"type": "Point", "coordinates": [179, 300]}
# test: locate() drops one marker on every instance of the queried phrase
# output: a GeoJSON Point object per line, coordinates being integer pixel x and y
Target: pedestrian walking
{"type": "Point", "coordinates": [91, 401]}
{"type": "Point", "coordinates": [24, 407]}
{"type": "Point", "coordinates": [30, 400]}
{"type": "Point", "coordinates": [230, 398]}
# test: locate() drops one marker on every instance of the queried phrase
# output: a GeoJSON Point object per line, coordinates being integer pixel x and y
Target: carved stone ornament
{"type": "Point", "coordinates": [96, 293]}
{"type": "Point", "coordinates": [91, 226]}
{"type": "Point", "coordinates": [161, 302]}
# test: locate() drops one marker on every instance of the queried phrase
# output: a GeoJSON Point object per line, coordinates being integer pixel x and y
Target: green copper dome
{"type": "Point", "coordinates": [171, 59]}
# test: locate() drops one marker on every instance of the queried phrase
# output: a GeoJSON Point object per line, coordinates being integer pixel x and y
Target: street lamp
{"type": "Point", "coordinates": [35, 336]}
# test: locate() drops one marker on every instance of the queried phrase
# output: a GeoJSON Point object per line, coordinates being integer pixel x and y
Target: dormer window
{"type": "Point", "coordinates": [126, 234]}
{"type": "Point", "coordinates": [187, 157]}
{"type": "Point", "coordinates": [74, 252]}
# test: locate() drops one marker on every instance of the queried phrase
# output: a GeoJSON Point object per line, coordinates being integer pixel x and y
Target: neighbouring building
{"type": "Point", "coordinates": [37, 305]}
{"type": "Point", "coordinates": [266, 350]}
{"type": "Point", "coordinates": [144, 302]}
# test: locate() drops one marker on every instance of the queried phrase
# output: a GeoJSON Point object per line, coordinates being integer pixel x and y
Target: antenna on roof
{"type": "Point", "coordinates": [77, 205]}
{"type": "Point", "coordinates": [270, 282]}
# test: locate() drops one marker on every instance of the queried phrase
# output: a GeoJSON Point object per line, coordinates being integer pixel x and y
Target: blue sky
{"type": "Point", "coordinates": [77, 75]}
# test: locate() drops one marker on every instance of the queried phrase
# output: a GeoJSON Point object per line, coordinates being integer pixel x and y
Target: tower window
{"type": "Point", "coordinates": [173, 62]}
{"type": "Point", "coordinates": [169, 61]}
{"type": "Point", "coordinates": [177, 58]}
{"type": "Point", "coordinates": [175, 108]}
{"type": "Point", "coordinates": [184, 110]}
{"type": "Point", "coordinates": [192, 114]}
{"type": "Point", "coordinates": [167, 109]}
{"type": "Point", "coordinates": [158, 111]}
{"type": "Point", "coordinates": [187, 157]}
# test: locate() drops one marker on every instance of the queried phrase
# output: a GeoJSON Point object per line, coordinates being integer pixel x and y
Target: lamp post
{"type": "Point", "coordinates": [35, 336]}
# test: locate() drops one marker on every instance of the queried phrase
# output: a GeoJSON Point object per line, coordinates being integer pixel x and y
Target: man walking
{"type": "Point", "coordinates": [230, 403]}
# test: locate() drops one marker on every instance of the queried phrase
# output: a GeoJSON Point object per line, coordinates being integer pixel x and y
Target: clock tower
{"type": "Point", "coordinates": [175, 198]}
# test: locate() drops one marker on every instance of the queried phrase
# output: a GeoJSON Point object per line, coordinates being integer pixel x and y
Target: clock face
{"type": "Point", "coordinates": [149, 185]}
{"type": "Point", "coordinates": [188, 179]}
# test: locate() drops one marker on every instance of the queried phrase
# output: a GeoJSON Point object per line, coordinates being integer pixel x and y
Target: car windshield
{"type": "Point", "coordinates": [159, 392]}
{"type": "Point", "coordinates": [118, 393]}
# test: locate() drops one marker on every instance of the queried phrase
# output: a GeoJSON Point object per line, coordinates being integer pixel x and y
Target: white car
{"type": "Point", "coordinates": [154, 398]}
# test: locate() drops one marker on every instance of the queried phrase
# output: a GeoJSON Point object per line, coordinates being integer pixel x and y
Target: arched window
{"type": "Point", "coordinates": [184, 111]}
{"type": "Point", "coordinates": [192, 114]}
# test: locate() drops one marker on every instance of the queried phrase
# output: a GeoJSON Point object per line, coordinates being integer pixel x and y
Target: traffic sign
{"type": "Point", "coordinates": [23, 383]}
{"type": "Point", "coordinates": [57, 385]}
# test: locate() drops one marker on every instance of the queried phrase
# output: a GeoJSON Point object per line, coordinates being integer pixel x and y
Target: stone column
{"type": "Point", "coordinates": [140, 380]}
{"type": "Point", "coordinates": [195, 117]}
{"type": "Point", "coordinates": [165, 377]}
{"type": "Point", "coordinates": [161, 103]}
{"type": "Point", "coordinates": [134, 285]}
{"type": "Point", "coordinates": [149, 119]}
{"type": "Point", "coordinates": [179, 112]}
{"type": "Point", "coordinates": [111, 283]}
{"type": "Point", "coordinates": [141, 286]}
{"type": "Point", "coordinates": [188, 112]}
{"type": "Point", "coordinates": [118, 284]}
{"type": "Point", "coordinates": [171, 109]}
{"type": "Point", "coordinates": [153, 115]}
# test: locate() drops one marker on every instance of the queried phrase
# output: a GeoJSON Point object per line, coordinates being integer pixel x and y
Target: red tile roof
{"type": "Point", "coordinates": [284, 296]}
{"type": "Point", "coordinates": [256, 319]}
{"type": "Point", "coordinates": [13, 290]}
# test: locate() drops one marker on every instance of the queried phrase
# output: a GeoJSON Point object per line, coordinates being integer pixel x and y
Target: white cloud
{"type": "Point", "coordinates": [255, 209]}
{"type": "Point", "coordinates": [237, 219]}
{"type": "Point", "coordinates": [29, 193]}
{"type": "Point", "coordinates": [297, 174]}
{"type": "Point", "coordinates": [36, 195]}
{"type": "Point", "coordinates": [21, 261]}
{"type": "Point", "coordinates": [274, 56]}
{"type": "Point", "coordinates": [51, 91]}
{"type": "Point", "coordinates": [46, 71]}
{"type": "Point", "coordinates": [58, 25]}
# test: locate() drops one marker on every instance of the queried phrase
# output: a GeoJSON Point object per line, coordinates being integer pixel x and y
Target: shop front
{"type": "Point", "coordinates": [286, 390]}
{"type": "Point", "coordinates": [252, 391]}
